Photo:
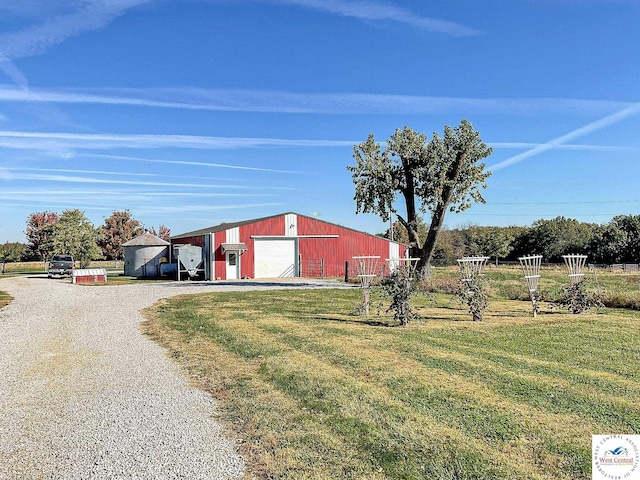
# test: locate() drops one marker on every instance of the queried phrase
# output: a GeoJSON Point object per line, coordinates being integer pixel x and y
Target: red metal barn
{"type": "Point", "coordinates": [284, 245]}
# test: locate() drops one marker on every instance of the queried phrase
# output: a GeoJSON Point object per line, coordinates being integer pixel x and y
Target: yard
{"type": "Point", "coordinates": [115, 275]}
{"type": "Point", "coordinates": [314, 391]}
{"type": "Point", "coordinates": [16, 268]}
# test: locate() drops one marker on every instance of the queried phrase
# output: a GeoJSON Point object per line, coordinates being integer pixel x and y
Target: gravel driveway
{"type": "Point", "coordinates": [83, 394]}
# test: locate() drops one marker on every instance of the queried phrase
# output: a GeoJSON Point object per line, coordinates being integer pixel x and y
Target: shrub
{"type": "Point", "coordinates": [576, 299]}
{"type": "Point", "coordinates": [400, 286]}
{"type": "Point", "coordinates": [473, 292]}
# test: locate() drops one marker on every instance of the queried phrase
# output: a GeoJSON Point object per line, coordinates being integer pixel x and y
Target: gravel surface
{"type": "Point", "coordinates": [84, 395]}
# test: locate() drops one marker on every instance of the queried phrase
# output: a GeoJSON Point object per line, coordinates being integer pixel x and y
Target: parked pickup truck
{"type": "Point", "coordinates": [60, 265]}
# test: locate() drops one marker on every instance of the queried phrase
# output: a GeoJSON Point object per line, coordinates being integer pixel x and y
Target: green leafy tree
{"type": "Point", "coordinates": [39, 233]}
{"type": "Point", "coordinates": [11, 252]}
{"type": "Point", "coordinates": [117, 229]}
{"type": "Point", "coordinates": [519, 246]}
{"type": "Point", "coordinates": [449, 248]}
{"type": "Point", "coordinates": [608, 244]}
{"type": "Point", "coordinates": [442, 175]}
{"type": "Point", "coordinates": [489, 241]}
{"type": "Point", "coordinates": [559, 236]}
{"type": "Point", "coordinates": [623, 236]}
{"type": "Point", "coordinates": [75, 235]}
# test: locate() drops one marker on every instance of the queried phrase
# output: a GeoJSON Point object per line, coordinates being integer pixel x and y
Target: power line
{"type": "Point", "coordinates": [542, 214]}
{"type": "Point", "coordinates": [564, 203]}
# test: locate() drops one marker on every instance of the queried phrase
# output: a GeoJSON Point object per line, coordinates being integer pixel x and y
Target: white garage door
{"type": "Point", "coordinates": [275, 258]}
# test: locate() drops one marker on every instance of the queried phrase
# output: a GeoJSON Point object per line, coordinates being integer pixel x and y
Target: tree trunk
{"type": "Point", "coordinates": [426, 252]}
{"type": "Point", "coordinates": [410, 203]}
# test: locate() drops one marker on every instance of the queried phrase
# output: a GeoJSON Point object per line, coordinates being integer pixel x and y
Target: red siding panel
{"type": "Point", "coordinates": [220, 269]}
{"type": "Point", "coordinates": [333, 244]}
{"type": "Point", "coordinates": [269, 227]}
{"type": "Point", "coordinates": [336, 251]}
{"type": "Point", "coordinates": [197, 240]}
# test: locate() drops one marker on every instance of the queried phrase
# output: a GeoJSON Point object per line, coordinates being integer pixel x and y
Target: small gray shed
{"type": "Point", "coordinates": [144, 254]}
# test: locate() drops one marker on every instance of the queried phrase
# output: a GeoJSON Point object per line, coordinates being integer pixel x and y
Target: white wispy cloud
{"type": "Point", "coordinates": [130, 195]}
{"type": "Point", "coordinates": [577, 133]}
{"type": "Point", "coordinates": [38, 38]}
{"type": "Point", "coordinates": [91, 172]}
{"type": "Point", "coordinates": [377, 11]}
{"type": "Point", "coordinates": [37, 9]}
{"type": "Point", "coordinates": [143, 210]}
{"type": "Point", "coordinates": [174, 209]}
{"type": "Point", "coordinates": [56, 205]}
{"type": "Point", "coordinates": [189, 163]}
{"type": "Point", "coordinates": [7, 173]}
{"type": "Point", "coordinates": [12, 174]}
{"type": "Point", "coordinates": [564, 146]}
{"type": "Point", "coordinates": [12, 71]}
{"type": "Point", "coordinates": [121, 173]}
{"type": "Point", "coordinates": [270, 101]}
{"type": "Point", "coordinates": [66, 141]}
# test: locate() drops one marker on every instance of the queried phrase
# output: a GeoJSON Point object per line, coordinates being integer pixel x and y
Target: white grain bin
{"type": "Point", "coordinates": [144, 254]}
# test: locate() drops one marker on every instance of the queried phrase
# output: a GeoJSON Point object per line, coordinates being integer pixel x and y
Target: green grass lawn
{"type": "Point", "coordinates": [41, 267]}
{"type": "Point", "coordinates": [314, 391]}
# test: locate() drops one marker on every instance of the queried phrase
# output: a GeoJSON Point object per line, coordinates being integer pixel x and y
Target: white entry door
{"type": "Point", "coordinates": [233, 265]}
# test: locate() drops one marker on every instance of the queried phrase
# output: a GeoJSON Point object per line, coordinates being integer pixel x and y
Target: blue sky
{"type": "Point", "coordinates": [194, 112]}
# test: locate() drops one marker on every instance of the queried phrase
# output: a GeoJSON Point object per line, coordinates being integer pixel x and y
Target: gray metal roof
{"type": "Point", "coordinates": [146, 239]}
{"type": "Point", "coordinates": [234, 247]}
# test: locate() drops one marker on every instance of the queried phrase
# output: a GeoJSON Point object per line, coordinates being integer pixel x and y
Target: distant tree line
{"type": "Point", "coordinates": [71, 232]}
{"type": "Point", "coordinates": [617, 241]}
